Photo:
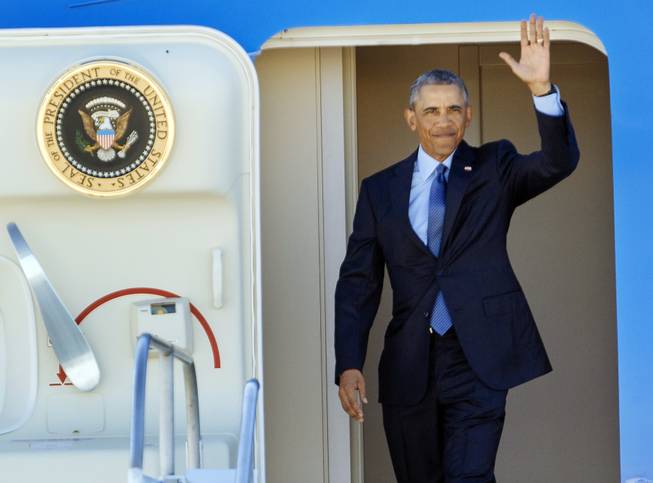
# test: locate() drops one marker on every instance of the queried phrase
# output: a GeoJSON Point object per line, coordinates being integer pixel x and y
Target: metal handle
{"type": "Point", "coordinates": [71, 347]}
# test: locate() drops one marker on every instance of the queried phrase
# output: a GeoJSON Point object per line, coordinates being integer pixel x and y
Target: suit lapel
{"type": "Point", "coordinates": [400, 196]}
{"type": "Point", "coordinates": [459, 177]}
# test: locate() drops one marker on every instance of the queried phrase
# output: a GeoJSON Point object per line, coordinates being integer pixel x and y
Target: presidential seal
{"type": "Point", "coordinates": [105, 128]}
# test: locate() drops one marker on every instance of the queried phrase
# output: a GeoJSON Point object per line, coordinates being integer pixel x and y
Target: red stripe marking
{"type": "Point", "coordinates": [163, 293]}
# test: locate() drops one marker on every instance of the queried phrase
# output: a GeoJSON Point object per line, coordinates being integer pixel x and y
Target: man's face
{"type": "Point", "coordinates": [439, 117]}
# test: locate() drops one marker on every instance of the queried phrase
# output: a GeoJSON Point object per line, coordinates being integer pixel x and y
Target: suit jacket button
{"type": "Point", "coordinates": [426, 315]}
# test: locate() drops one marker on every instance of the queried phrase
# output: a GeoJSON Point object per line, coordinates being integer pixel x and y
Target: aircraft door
{"type": "Point", "coordinates": [131, 169]}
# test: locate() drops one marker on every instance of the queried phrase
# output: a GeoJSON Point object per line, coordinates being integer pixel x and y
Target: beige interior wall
{"type": "Point", "coordinates": [564, 426]}
{"type": "Point", "coordinates": [292, 329]}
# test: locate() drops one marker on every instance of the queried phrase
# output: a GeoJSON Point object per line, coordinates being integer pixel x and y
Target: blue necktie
{"type": "Point", "coordinates": [440, 318]}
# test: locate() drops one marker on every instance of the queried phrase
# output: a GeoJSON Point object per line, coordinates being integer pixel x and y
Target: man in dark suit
{"type": "Point", "coordinates": [461, 333]}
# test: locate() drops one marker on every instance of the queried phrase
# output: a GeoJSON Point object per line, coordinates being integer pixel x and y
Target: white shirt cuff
{"type": "Point", "coordinates": [549, 105]}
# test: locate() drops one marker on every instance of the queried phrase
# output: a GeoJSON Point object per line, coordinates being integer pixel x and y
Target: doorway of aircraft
{"type": "Point", "coordinates": [560, 426]}
{"type": "Point", "coordinates": [332, 116]}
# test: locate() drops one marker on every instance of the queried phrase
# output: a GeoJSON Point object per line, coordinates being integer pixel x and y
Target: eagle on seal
{"type": "Point", "coordinates": [104, 135]}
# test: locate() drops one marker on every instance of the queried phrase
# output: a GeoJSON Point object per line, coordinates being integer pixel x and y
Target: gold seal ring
{"type": "Point", "coordinates": [106, 128]}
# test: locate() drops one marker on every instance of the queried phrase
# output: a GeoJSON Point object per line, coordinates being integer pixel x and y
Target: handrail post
{"type": "Point", "coordinates": [167, 415]}
{"type": "Point", "coordinates": [137, 433]}
{"type": "Point", "coordinates": [192, 417]}
{"type": "Point", "coordinates": [245, 464]}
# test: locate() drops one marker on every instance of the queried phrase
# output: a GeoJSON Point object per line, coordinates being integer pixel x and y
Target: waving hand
{"type": "Point", "coordinates": [534, 64]}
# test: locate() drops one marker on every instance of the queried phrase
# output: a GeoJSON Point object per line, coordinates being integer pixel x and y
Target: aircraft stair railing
{"type": "Point", "coordinates": [194, 473]}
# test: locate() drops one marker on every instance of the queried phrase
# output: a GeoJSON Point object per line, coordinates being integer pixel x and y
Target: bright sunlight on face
{"type": "Point", "coordinates": [439, 117]}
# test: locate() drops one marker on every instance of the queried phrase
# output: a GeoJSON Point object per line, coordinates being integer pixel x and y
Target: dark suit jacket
{"type": "Point", "coordinates": [489, 311]}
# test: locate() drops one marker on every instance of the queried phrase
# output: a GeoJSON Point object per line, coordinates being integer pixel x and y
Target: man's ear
{"type": "Point", "coordinates": [468, 116]}
{"type": "Point", "coordinates": [409, 116]}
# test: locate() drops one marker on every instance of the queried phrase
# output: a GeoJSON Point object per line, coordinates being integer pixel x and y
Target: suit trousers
{"type": "Point", "coordinates": [453, 434]}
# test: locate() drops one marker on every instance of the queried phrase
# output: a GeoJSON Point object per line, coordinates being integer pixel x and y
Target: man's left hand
{"type": "Point", "coordinates": [534, 65]}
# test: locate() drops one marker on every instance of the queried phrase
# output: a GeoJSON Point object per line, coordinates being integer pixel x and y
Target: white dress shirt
{"type": "Point", "coordinates": [424, 171]}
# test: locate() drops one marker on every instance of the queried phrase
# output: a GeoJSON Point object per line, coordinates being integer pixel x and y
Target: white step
{"type": "Point", "coordinates": [211, 476]}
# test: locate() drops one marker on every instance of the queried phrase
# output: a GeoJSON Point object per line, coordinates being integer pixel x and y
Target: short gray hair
{"type": "Point", "coordinates": [436, 77]}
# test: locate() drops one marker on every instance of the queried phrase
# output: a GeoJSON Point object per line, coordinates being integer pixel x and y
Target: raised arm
{"type": "Point", "coordinates": [526, 176]}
